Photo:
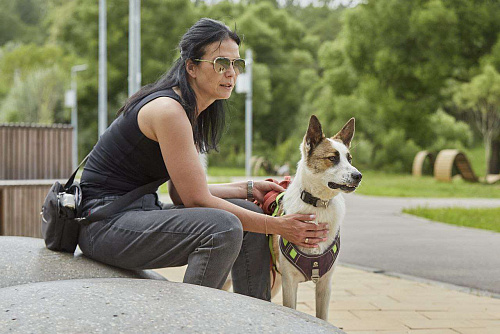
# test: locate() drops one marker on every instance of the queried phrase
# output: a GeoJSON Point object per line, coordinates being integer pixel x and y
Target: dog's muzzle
{"type": "Point", "coordinates": [347, 187]}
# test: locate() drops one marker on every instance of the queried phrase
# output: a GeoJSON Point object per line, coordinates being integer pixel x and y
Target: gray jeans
{"type": "Point", "coordinates": [147, 235]}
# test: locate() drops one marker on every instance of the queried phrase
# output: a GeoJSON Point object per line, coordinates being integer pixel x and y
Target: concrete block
{"type": "Point", "coordinates": [119, 305]}
{"type": "Point", "coordinates": [26, 260]}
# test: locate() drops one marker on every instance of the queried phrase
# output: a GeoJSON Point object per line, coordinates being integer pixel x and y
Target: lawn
{"type": "Point", "coordinates": [216, 175]}
{"type": "Point", "coordinates": [484, 218]}
{"type": "Point", "coordinates": [225, 171]}
{"type": "Point", "coordinates": [405, 185]}
{"type": "Point", "coordinates": [393, 185]}
{"type": "Point", "coordinates": [477, 160]}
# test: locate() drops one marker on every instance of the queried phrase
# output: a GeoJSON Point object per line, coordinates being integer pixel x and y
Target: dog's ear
{"type": "Point", "coordinates": [314, 133]}
{"type": "Point", "coordinates": [346, 133]}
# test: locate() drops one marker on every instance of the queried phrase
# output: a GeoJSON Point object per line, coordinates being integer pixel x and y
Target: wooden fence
{"type": "Point", "coordinates": [20, 206]}
{"type": "Point", "coordinates": [31, 152]}
{"type": "Point", "coordinates": [32, 156]}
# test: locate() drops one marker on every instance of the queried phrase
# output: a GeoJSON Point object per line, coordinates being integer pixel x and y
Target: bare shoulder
{"type": "Point", "coordinates": [161, 113]}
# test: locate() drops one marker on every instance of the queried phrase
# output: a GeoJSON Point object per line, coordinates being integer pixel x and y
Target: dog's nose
{"type": "Point", "coordinates": [356, 176]}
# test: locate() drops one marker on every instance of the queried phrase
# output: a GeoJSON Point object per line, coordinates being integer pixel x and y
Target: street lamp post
{"type": "Point", "coordinates": [248, 113]}
{"type": "Point", "coordinates": [134, 47]}
{"type": "Point", "coordinates": [103, 70]}
{"type": "Point", "coordinates": [244, 85]}
{"type": "Point", "coordinates": [72, 101]}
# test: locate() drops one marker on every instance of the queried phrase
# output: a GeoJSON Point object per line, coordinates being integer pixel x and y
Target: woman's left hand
{"type": "Point", "coordinates": [260, 188]}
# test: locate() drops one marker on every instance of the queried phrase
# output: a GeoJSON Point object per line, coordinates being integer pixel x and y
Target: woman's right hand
{"type": "Point", "coordinates": [297, 227]}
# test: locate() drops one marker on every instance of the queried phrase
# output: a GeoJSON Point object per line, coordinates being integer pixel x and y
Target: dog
{"type": "Point", "coordinates": [323, 174]}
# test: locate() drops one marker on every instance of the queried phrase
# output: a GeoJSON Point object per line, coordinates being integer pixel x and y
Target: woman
{"type": "Point", "coordinates": [158, 134]}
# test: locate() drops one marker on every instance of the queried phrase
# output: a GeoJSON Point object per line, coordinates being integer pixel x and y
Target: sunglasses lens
{"type": "Point", "coordinates": [222, 64]}
{"type": "Point", "coordinates": [239, 65]}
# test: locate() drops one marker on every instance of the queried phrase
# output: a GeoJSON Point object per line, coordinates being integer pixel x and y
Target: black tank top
{"type": "Point", "coordinates": [124, 158]}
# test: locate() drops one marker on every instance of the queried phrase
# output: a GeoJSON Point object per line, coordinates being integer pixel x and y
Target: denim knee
{"type": "Point", "coordinates": [230, 226]}
{"type": "Point", "coordinates": [246, 204]}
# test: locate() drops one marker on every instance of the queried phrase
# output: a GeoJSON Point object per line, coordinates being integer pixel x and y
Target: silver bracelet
{"type": "Point", "coordinates": [250, 191]}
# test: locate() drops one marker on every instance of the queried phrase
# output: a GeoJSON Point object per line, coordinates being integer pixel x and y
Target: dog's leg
{"type": "Point", "coordinates": [290, 286]}
{"type": "Point", "coordinates": [276, 286]}
{"type": "Point", "coordinates": [323, 293]}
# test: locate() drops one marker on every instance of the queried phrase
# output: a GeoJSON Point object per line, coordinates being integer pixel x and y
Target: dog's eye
{"type": "Point", "coordinates": [349, 158]}
{"type": "Point", "coordinates": [334, 158]}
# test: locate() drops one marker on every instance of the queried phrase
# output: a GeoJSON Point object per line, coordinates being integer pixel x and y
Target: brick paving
{"type": "Point", "coordinates": [367, 302]}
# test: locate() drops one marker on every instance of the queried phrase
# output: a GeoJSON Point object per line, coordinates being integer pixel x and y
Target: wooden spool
{"type": "Point", "coordinates": [445, 161]}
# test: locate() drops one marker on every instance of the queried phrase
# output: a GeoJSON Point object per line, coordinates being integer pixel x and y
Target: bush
{"type": "Point", "coordinates": [396, 153]}
{"type": "Point", "coordinates": [362, 152]}
{"type": "Point", "coordinates": [449, 132]}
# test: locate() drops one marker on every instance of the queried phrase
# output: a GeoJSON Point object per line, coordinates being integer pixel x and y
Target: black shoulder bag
{"type": "Point", "coordinates": [62, 211]}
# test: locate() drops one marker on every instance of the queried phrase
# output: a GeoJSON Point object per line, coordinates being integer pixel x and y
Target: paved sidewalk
{"type": "Point", "coordinates": [365, 302]}
{"type": "Point", "coordinates": [376, 234]}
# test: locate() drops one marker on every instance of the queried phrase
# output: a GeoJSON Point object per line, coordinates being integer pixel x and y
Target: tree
{"type": "Point", "coordinates": [21, 20]}
{"type": "Point", "coordinates": [36, 98]}
{"type": "Point", "coordinates": [17, 59]}
{"type": "Point", "coordinates": [389, 66]}
{"type": "Point", "coordinates": [481, 99]}
{"type": "Point", "coordinates": [75, 26]}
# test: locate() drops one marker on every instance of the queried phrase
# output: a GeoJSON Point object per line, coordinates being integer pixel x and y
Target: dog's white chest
{"type": "Point", "coordinates": [333, 215]}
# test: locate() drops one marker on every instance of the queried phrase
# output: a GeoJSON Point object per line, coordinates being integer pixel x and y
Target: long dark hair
{"type": "Point", "coordinates": [209, 125]}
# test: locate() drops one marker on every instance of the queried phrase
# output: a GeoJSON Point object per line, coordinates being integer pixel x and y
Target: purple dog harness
{"type": "Point", "coordinates": [313, 267]}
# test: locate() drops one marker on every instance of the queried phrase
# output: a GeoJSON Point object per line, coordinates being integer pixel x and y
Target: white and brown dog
{"type": "Point", "coordinates": [323, 174]}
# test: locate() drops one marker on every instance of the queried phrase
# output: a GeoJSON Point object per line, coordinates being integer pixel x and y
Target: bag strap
{"type": "Point", "coordinates": [118, 204]}
{"type": "Point", "coordinates": [121, 202]}
{"type": "Point", "coordinates": [72, 177]}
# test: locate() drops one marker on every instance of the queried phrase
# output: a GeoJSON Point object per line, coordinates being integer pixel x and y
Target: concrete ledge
{"type": "Point", "coordinates": [118, 305]}
{"type": "Point", "coordinates": [26, 260]}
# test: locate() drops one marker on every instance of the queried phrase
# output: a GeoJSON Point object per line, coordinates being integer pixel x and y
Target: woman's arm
{"type": "Point", "coordinates": [174, 196]}
{"type": "Point", "coordinates": [170, 126]}
{"type": "Point", "coordinates": [231, 190]}
{"type": "Point", "coordinates": [239, 189]}
{"type": "Point", "coordinates": [227, 190]}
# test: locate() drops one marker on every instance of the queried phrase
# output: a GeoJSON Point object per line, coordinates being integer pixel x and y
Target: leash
{"type": "Point", "coordinates": [270, 203]}
{"type": "Point", "coordinates": [270, 206]}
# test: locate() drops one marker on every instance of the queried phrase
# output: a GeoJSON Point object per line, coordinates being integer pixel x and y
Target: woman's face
{"type": "Point", "coordinates": [208, 83]}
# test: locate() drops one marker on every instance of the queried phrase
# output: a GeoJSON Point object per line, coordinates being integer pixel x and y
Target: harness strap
{"type": "Point", "coordinates": [278, 200]}
{"type": "Point", "coordinates": [313, 267]}
{"type": "Point", "coordinates": [273, 257]}
{"type": "Point", "coordinates": [274, 267]}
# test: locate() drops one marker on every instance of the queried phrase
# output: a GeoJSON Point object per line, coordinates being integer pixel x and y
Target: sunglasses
{"type": "Point", "coordinates": [222, 64]}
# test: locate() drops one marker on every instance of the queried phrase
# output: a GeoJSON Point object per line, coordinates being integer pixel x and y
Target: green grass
{"type": "Point", "coordinates": [477, 160]}
{"type": "Point", "coordinates": [487, 219]}
{"type": "Point", "coordinates": [392, 185]}
{"type": "Point", "coordinates": [216, 175]}
{"type": "Point", "coordinates": [403, 185]}
{"type": "Point", "coordinates": [225, 171]}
